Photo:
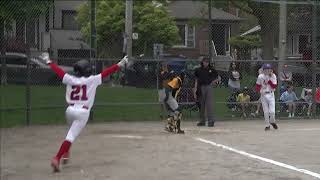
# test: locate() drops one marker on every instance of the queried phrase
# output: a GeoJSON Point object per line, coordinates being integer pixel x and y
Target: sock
{"type": "Point", "coordinates": [65, 146]}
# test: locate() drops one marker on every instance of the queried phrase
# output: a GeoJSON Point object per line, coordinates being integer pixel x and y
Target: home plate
{"type": "Point", "coordinates": [125, 136]}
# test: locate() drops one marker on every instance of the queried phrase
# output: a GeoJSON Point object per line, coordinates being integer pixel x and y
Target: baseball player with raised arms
{"type": "Point", "coordinates": [80, 94]}
{"type": "Point", "coordinates": [266, 85]}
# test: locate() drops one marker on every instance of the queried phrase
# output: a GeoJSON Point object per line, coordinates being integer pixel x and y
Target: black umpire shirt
{"type": "Point", "coordinates": [206, 75]}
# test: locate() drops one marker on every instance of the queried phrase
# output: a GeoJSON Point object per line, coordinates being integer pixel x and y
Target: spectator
{"type": "Point", "coordinates": [234, 77]}
{"type": "Point", "coordinates": [306, 96]}
{"type": "Point", "coordinates": [235, 54]}
{"type": "Point", "coordinates": [285, 78]}
{"type": "Point", "coordinates": [258, 102]}
{"type": "Point", "coordinates": [317, 97]}
{"type": "Point", "coordinates": [244, 100]}
{"type": "Point", "coordinates": [255, 100]}
{"type": "Point", "coordinates": [206, 78]}
{"type": "Point", "coordinates": [289, 97]}
{"type": "Point", "coordinates": [285, 74]}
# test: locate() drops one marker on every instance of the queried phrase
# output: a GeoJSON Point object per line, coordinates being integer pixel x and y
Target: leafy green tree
{"type": "Point", "coordinates": [244, 45]}
{"type": "Point", "coordinates": [267, 15]}
{"type": "Point", "coordinates": [151, 21]}
{"type": "Point", "coordinates": [268, 18]}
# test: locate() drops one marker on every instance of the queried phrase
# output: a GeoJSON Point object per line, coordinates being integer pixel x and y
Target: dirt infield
{"type": "Point", "coordinates": [143, 151]}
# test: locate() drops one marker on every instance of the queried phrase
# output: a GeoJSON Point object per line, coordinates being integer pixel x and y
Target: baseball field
{"type": "Point", "coordinates": [233, 150]}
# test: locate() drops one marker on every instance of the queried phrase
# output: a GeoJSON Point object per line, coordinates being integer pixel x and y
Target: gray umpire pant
{"type": "Point", "coordinates": [206, 103]}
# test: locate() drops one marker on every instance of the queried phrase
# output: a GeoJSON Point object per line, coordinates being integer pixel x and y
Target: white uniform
{"type": "Point", "coordinates": [80, 94]}
{"type": "Point", "coordinates": [267, 97]}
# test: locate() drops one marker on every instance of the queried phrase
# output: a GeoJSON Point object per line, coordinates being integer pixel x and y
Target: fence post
{"type": "Point", "coordinates": [28, 91]}
{"type": "Point", "coordinates": [3, 73]}
{"type": "Point", "coordinates": [314, 44]}
{"type": "Point", "coordinates": [93, 47]}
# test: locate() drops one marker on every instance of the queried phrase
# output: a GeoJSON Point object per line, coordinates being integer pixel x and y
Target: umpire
{"type": "Point", "coordinates": [205, 78]}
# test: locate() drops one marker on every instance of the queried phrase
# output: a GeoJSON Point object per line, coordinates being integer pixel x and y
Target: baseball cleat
{"type": "Point", "coordinates": [211, 124]}
{"type": "Point", "coordinates": [65, 158]}
{"type": "Point", "coordinates": [180, 131]}
{"type": "Point", "coordinates": [267, 128]}
{"type": "Point", "coordinates": [168, 129]}
{"type": "Point", "coordinates": [274, 125]}
{"type": "Point", "coordinates": [201, 124]}
{"type": "Point", "coordinates": [55, 164]}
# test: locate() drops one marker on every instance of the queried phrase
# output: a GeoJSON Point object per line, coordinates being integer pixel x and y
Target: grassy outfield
{"type": "Point", "coordinates": [112, 103]}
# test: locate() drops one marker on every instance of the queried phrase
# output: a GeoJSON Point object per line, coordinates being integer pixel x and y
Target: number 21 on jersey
{"type": "Point", "coordinates": [79, 92]}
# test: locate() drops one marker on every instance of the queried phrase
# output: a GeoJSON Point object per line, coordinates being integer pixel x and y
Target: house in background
{"type": "Point", "coordinates": [192, 20]}
{"type": "Point", "coordinates": [299, 31]}
{"type": "Point", "coordinates": [64, 38]}
{"type": "Point", "coordinates": [55, 31]}
{"type": "Point", "coordinates": [58, 32]}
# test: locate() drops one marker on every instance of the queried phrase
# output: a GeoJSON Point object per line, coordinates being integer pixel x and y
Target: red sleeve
{"type": "Point", "coordinates": [258, 87]}
{"type": "Point", "coordinates": [271, 84]}
{"type": "Point", "coordinates": [57, 70]}
{"type": "Point", "coordinates": [106, 72]}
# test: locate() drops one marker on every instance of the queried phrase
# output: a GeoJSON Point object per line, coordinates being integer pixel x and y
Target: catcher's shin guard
{"type": "Point", "coordinates": [170, 124]}
{"type": "Point", "coordinates": [178, 129]}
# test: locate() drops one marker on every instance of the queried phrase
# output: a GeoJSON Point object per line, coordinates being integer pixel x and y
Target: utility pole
{"type": "Point", "coordinates": [210, 30]}
{"type": "Point", "coordinates": [282, 54]}
{"type": "Point", "coordinates": [128, 28]}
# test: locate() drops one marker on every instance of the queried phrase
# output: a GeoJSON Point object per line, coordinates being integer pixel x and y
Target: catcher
{"type": "Point", "coordinates": [172, 89]}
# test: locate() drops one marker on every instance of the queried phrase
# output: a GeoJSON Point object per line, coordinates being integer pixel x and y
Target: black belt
{"type": "Point", "coordinates": [267, 92]}
{"type": "Point", "coordinates": [84, 107]}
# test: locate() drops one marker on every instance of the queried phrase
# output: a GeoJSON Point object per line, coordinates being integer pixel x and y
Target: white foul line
{"type": "Point", "coordinates": [260, 158]}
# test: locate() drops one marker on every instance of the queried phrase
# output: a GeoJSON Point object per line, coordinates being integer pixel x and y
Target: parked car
{"type": "Point", "coordinates": [144, 73]}
{"type": "Point", "coordinates": [15, 70]}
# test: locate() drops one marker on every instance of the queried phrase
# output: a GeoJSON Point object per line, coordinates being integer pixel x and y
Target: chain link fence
{"type": "Point", "coordinates": [246, 33]}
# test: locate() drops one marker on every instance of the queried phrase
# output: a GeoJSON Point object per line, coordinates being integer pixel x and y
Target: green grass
{"type": "Point", "coordinates": [111, 104]}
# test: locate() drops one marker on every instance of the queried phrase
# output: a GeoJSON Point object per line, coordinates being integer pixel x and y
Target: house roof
{"type": "Point", "coordinates": [196, 9]}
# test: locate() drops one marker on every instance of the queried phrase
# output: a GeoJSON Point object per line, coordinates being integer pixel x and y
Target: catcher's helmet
{"type": "Point", "coordinates": [82, 68]}
{"type": "Point", "coordinates": [266, 66]}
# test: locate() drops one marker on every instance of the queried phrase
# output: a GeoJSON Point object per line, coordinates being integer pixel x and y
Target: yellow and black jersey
{"type": "Point", "coordinates": [175, 83]}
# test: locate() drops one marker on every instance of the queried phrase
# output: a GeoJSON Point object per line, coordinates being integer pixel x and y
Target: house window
{"type": "Point", "coordinates": [304, 42]}
{"type": "Point", "coordinates": [187, 36]}
{"type": "Point", "coordinates": [227, 32]}
{"type": "Point", "coordinates": [68, 20]}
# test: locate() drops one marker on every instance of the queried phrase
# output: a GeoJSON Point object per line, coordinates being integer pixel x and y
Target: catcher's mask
{"type": "Point", "coordinates": [82, 68]}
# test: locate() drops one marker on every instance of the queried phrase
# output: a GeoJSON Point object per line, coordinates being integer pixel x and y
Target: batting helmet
{"type": "Point", "coordinates": [266, 66]}
{"type": "Point", "coordinates": [82, 68]}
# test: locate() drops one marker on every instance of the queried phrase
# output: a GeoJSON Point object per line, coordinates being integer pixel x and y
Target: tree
{"type": "Point", "coordinates": [244, 45]}
{"type": "Point", "coordinates": [151, 21]}
{"type": "Point", "coordinates": [266, 14]}
{"type": "Point", "coordinates": [268, 19]}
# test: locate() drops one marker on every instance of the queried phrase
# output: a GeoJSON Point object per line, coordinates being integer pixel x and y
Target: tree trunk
{"type": "Point", "coordinates": [267, 15]}
{"type": "Point", "coordinates": [267, 36]}
{"type": "Point", "coordinates": [268, 23]}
